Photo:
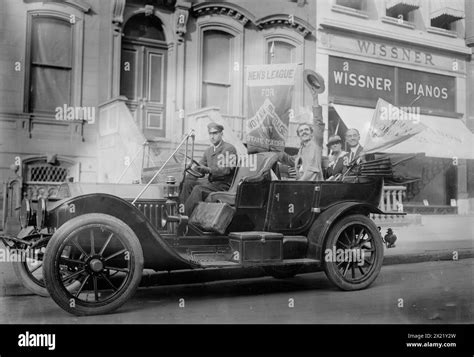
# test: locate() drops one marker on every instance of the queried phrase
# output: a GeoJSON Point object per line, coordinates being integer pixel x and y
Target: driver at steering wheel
{"type": "Point", "coordinates": [215, 164]}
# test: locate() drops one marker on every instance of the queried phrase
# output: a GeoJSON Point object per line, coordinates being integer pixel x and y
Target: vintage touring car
{"type": "Point", "coordinates": [99, 238]}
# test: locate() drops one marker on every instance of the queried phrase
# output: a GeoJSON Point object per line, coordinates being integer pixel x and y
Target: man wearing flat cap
{"type": "Point", "coordinates": [219, 176]}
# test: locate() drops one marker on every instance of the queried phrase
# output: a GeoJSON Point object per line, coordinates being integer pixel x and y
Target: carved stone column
{"type": "Point", "coordinates": [181, 16]}
{"type": "Point", "coordinates": [117, 21]}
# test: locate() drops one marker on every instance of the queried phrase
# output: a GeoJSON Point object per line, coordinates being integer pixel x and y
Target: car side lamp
{"type": "Point", "coordinates": [170, 216]}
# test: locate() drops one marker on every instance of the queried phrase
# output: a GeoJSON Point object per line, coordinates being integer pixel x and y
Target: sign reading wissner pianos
{"type": "Point", "coordinates": [365, 82]}
{"type": "Point", "coordinates": [270, 92]}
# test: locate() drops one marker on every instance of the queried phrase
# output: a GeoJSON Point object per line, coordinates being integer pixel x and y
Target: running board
{"type": "Point", "coordinates": [216, 264]}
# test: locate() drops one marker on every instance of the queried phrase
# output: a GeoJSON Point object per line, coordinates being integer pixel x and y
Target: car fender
{"type": "Point", "coordinates": [157, 254]}
{"type": "Point", "coordinates": [327, 219]}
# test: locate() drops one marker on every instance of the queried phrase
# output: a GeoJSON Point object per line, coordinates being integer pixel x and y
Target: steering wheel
{"type": "Point", "coordinates": [181, 156]}
{"type": "Point", "coordinates": [192, 171]}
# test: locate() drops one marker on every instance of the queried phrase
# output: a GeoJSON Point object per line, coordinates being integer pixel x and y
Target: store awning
{"type": "Point", "coordinates": [401, 6]}
{"type": "Point", "coordinates": [443, 12]}
{"type": "Point", "coordinates": [444, 137]}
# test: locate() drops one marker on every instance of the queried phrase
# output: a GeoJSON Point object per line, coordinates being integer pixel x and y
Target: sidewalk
{"type": "Point", "coordinates": [443, 237]}
{"type": "Point", "coordinates": [439, 237]}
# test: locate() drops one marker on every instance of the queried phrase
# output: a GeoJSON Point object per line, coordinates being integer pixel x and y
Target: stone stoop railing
{"type": "Point", "coordinates": [391, 202]}
{"type": "Point", "coordinates": [392, 198]}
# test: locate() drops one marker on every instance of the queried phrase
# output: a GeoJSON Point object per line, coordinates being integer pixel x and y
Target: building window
{"type": "Point", "coordinates": [353, 4]}
{"type": "Point", "coordinates": [445, 25]}
{"type": "Point", "coordinates": [280, 52]}
{"type": "Point", "coordinates": [50, 64]}
{"type": "Point", "coordinates": [402, 9]}
{"type": "Point", "coordinates": [283, 49]}
{"type": "Point", "coordinates": [217, 59]}
{"type": "Point", "coordinates": [401, 15]}
{"type": "Point", "coordinates": [144, 27]}
{"type": "Point", "coordinates": [445, 17]}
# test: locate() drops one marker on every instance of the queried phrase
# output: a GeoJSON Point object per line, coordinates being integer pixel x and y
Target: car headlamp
{"type": "Point", "coordinates": [25, 213]}
{"type": "Point", "coordinates": [41, 213]}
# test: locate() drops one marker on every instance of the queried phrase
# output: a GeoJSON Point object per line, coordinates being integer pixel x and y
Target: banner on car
{"type": "Point", "coordinates": [270, 93]}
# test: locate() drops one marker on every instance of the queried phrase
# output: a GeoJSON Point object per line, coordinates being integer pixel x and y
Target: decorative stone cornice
{"type": "Point", "coordinates": [78, 4]}
{"type": "Point", "coordinates": [226, 9]}
{"type": "Point", "coordinates": [118, 9]}
{"type": "Point", "coordinates": [291, 21]}
{"type": "Point", "coordinates": [181, 19]}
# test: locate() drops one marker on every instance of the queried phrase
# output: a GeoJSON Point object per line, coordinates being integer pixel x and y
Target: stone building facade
{"type": "Point", "coordinates": [90, 86]}
{"type": "Point", "coordinates": [413, 54]}
{"type": "Point", "coordinates": [141, 70]}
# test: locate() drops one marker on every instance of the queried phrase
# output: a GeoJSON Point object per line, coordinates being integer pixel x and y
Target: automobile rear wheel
{"type": "Point", "coordinates": [100, 256]}
{"type": "Point", "coordinates": [353, 253]}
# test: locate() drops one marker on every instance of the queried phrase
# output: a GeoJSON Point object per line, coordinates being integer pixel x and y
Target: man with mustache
{"type": "Point", "coordinates": [308, 160]}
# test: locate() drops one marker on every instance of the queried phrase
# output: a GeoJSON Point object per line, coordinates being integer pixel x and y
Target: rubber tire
{"type": "Point", "coordinates": [331, 270]}
{"type": "Point", "coordinates": [23, 276]}
{"type": "Point", "coordinates": [55, 247]}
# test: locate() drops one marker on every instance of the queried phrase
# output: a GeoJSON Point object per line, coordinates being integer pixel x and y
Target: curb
{"type": "Point", "coordinates": [427, 257]}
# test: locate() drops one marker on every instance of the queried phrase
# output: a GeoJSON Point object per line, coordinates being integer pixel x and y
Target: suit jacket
{"type": "Point", "coordinates": [337, 167]}
{"type": "Point", "coordinates": [220, 162]}
{"type": "Point", "coordinates": [364, 158]}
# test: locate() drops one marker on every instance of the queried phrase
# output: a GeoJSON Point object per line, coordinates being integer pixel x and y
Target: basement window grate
{"type": "Point", "coordinates": [48, 173]}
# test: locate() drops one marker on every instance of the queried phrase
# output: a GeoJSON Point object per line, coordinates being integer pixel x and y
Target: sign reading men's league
{"type": "Point", "coordinates": [366, 82]}
{"type": "Point", "coordinates": [270, 92]}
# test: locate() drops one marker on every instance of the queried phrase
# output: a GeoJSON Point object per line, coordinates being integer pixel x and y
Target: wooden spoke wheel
{"type": "Point", "coordinates": [93, 264]}
{"type": "Point", "coordinates": [353, 253]}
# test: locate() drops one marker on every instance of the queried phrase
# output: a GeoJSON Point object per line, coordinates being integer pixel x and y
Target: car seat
{"type": "Point", "coordinates": [265, 161]}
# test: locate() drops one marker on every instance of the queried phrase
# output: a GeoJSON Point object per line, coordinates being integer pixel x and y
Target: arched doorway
{"type": "Point", "coordinates": [143, 73]}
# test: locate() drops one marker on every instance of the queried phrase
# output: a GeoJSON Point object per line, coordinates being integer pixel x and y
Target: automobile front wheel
{"type": "Point", "coordinates": [353, 253]}
{"type": "Point", "coordinates": [100, 256]}
{"type": "Point", "coordinates": [29, 270]}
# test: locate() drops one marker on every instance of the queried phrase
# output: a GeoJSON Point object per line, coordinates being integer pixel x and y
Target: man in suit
{"type": "Point", "coordinates": [220, 174]}
{"type": "Point", "coordinates": [354, 148]}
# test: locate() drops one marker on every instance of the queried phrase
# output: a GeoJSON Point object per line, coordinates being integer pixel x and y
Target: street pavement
{"type": "Point", "coordinates": [439, 237]}
{"type": "Point", "coordinates": [423, 293]}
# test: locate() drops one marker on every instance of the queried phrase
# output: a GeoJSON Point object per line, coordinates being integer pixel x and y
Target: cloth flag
{"type": "Point", "coordinates": [270, 93]}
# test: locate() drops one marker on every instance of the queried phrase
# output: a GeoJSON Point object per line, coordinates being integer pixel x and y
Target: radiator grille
{"type": "Point", "coordinates": [152, 211]}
